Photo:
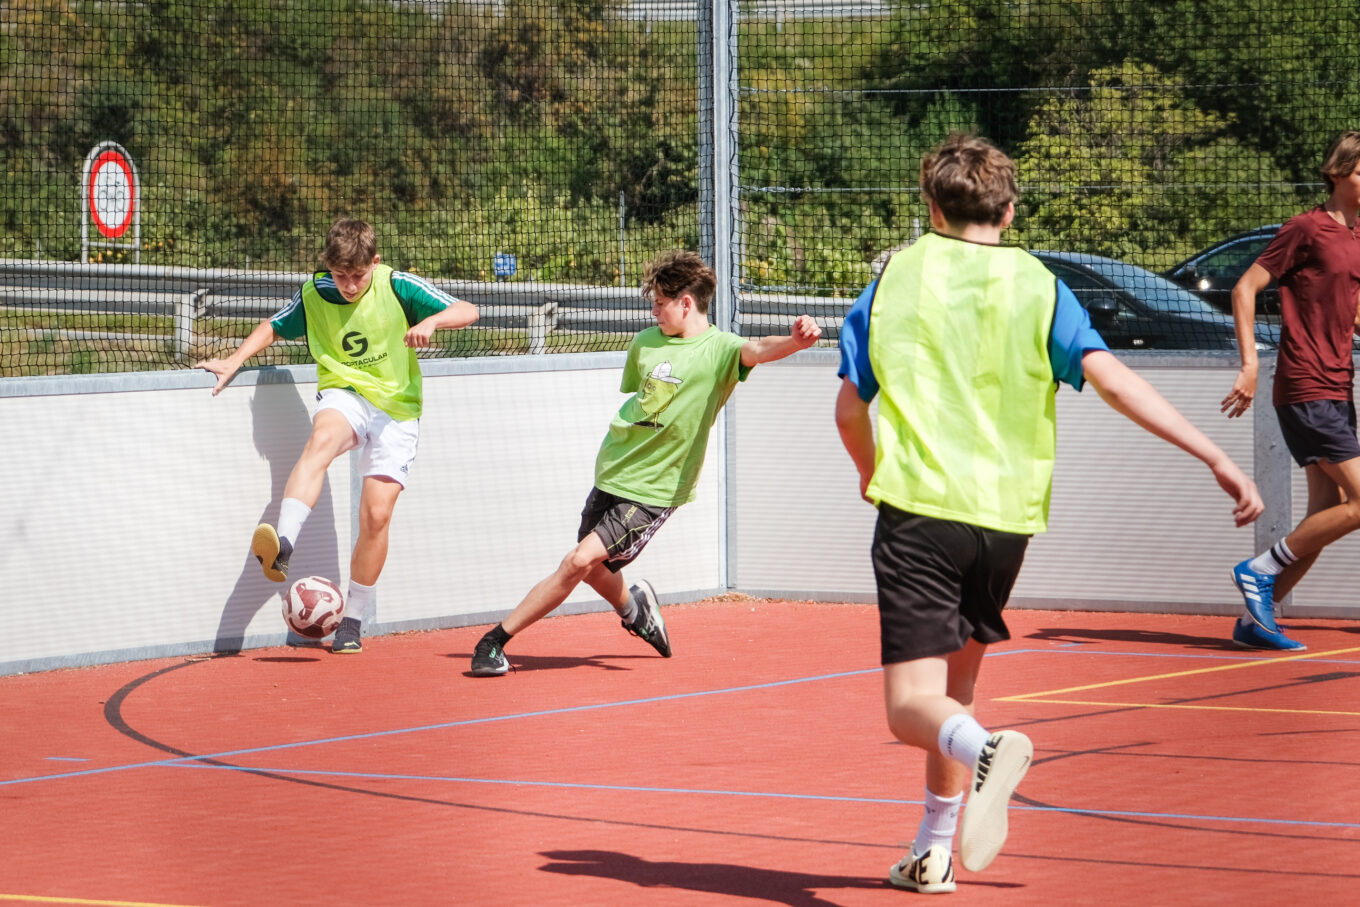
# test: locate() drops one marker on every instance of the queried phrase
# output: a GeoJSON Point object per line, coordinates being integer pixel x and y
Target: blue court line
{"type": "Point", "coordinates": [442, 726]}
{"type": "Point", "coordinates": [886, 801]}
{"type": "Point", "coordinates": [549, 712]}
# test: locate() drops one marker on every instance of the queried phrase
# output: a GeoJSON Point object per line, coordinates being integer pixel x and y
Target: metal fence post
{"type": "Point", "coordinates": [541, 323]}
{"type": "Point", "coordinates": [186, 311]}
{"type": "Point", "coordinates": [717, 91]}
{"type": "Point", "coordinates": [1272, 466]}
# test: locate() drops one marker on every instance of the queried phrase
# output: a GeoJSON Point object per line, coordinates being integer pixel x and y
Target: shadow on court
{"type": "Point", "coordinates": [281, 425]}
{"type": "Point", "coordinates": [1083, 636]}
{"type": "Point", "coordinates": [793, 888]}
{"type": "Point", "coordinates": [558, 662]}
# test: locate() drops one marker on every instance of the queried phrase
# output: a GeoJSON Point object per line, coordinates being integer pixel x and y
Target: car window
{"type": "Point", "coordinates": [1152, 290]}
{"type": "Point", "coordinates": [1083, 285]}
{"type": "Point", "coordinates": [1233, 259]}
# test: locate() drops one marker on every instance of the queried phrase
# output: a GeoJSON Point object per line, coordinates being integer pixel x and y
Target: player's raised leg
{"type": "Point", "coordinates": [331, 436]}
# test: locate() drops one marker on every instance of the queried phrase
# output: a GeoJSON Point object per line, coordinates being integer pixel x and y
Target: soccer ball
{"type": "Point", "coordinates": [313, 607]}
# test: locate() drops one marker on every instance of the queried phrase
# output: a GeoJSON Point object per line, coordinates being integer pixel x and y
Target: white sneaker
{"type": "Point", "coordinates": [929, 874]}
{"type": "Point", "coordinates": [982, 830]}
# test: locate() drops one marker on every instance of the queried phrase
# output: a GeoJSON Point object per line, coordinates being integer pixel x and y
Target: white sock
{"type": "Point", "coordinates": [962, 739]}
{"type": "Point", "coordinates": [630, 613]}
{"type": "Point", "coordinates": [938, 824]}
{"type": "Point", "coordinates": [359, 603]}
{"type": "Point", "coordinates": [1274, 560]}
{"type": "Point", "coordinates": [292, 514]}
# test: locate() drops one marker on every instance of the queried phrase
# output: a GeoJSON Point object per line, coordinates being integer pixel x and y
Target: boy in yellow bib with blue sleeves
{"type": "Point", "coordinates": [963, 342]}
{"type": "Point", "coordinates": [363, 322]}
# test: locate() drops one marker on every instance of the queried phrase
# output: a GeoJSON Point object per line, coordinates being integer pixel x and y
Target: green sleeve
{"type": "Point", "coordinates": [290, 322]}
{"type": "Point", "coordinates": [419, 298]}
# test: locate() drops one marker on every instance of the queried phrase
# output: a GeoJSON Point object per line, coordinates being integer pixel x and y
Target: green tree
{"type": "Point", "coordinates": [1101, 166]}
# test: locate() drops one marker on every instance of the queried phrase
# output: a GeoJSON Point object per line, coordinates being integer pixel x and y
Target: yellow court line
{"type": "Point", "coordinates": [1254, 663]}
{"type": "Point", "coordinates": [39, 899]}
{"type": "Point", "coordinates": [1194, 708]}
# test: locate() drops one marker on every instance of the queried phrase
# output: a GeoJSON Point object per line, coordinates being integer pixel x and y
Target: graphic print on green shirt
{"type": "Point", "coordinates": [654, 449]}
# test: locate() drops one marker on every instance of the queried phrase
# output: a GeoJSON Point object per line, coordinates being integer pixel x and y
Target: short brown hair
{"type": "Point", "coordinates": [673, 274]}
{"type": "Point", "coordinates": [350, 243]}
{"type": "Point", "coordinates": [970, 179]}
{"type": "Point", "coordinates": [1341, 158]}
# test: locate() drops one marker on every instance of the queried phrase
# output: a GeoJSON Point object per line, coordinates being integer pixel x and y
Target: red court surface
{"type": "Point", "coordinates": [754, 767]}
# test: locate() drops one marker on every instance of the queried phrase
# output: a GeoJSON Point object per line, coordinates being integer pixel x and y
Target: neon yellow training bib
{"type": "Point", "coordinates": [967, 426]}
{"type": "Point", "coordinates": [362, 346]}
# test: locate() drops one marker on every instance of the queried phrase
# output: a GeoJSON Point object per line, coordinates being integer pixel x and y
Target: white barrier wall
{"type": "Point", "coordinates": [1135, 523]}
{"type": "Point", "coordinates": [129, 501]}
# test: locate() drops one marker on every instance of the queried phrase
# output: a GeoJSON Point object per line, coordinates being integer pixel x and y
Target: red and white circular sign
{"type": "Point", "coordinates": [112, 193]}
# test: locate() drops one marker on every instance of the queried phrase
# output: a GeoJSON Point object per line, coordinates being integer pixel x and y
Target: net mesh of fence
{"type": "Point", "coordinates": [171, 166]}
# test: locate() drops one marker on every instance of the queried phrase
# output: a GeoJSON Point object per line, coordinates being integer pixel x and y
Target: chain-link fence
{"type": "Point", "coordinates": [171, 165]}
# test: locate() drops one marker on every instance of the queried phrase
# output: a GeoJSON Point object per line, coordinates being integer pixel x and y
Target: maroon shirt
{"type": "Point", "coordinates": [1317, 263]}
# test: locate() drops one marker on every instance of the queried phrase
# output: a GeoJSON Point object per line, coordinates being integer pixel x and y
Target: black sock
{"type": "Point", "coordinates": [498, 635]}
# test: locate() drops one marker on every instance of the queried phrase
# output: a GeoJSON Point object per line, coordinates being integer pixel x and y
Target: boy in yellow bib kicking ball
{"type": "Point", "coordinates": [363, 322]}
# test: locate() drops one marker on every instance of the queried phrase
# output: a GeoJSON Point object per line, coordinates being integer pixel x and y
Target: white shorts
{"type": "Point", "coordinates": [389, 446]}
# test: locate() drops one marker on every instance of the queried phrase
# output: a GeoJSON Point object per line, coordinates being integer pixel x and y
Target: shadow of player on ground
{"type": "Point", "coordinates": [281, 424]}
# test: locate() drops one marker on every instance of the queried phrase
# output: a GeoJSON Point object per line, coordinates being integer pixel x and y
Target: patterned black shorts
{"type": "Point", "coordinates": [624, 526]}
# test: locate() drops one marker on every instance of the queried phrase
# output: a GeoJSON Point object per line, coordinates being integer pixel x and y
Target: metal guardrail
{"type": "Point", "coordinates": [688, 10]}
{"type": "Point", "coordinates": [190, 295]}
{"type": "Point", "coordinates": [777, 10]}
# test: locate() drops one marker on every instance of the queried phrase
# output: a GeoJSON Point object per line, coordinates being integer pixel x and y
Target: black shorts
{"type": "Point", "coordinates": [941, 583]}
{"type": "Point", "coordinates": [624, 526]}
{"type": "Point", "coordinates": [1319, 430]}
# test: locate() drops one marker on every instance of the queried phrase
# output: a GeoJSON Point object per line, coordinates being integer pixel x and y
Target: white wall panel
{"type": "Point", "coordinates": [127, 503]}
{"type": "Point", "coordinates": [127, 518]}
{"type": "Point", "coordinates": [495, 498]}
{"type": "Point", "coordinates": [1135, 522]}
{"type": "Point", "coordinates": [127, 515]}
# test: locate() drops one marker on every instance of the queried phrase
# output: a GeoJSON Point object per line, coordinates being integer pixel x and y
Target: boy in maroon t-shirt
{"type": "Point", "coordinates": [1316, 259]}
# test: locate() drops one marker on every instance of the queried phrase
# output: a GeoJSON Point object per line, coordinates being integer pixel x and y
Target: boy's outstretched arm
{"type": "Point", "coordinates": [258, 339]}
{"type": "Point", "coordinates": [857, 432]}
{"type": "Point", "coordinates": [802, 335]}
{"type": "Point", "coordinates": [1253, 281]}
{"type": "Point", "coordinates": [1127, 393]}
{"type": "Point", "coordinates": [459, 314]}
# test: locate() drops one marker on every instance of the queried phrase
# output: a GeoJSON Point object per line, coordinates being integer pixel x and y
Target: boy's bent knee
{"type": "Point", "coordinates": [586, 556]}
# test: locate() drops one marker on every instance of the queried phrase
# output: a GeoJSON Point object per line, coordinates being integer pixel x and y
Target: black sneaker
{"type": "Point", "coordinates": [347, 641]}
{"type": "Point", "coordinates": [272, 552]}
{"type": "Point", "coordinates": [488, 659]}
{"type": "Point", "coordinates": [648, 623]}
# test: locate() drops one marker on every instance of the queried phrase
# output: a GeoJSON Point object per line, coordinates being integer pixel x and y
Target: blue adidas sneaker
{"type": "Point", "coordinates": [1247, 635]}
{"type": "Point", "coordinates": [1258, 591]}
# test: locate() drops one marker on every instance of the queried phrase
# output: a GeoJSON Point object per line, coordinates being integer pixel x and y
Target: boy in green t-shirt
{"type": "Point", "coordinates": [363, 322]}
{"type": "Point", "coordinates": [680, 373]}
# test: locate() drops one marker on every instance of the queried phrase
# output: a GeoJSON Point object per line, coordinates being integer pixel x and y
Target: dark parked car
{"type": "Point", "coordinates": [1213, 272]}
{"type": "Point", "coordinates": [1135, 309]}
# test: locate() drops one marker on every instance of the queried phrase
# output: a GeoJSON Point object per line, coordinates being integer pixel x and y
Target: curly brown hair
{"type": "Point", "coordinates": [673, 274]}
{"type": "Point", "coordinates": [350, 243]}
